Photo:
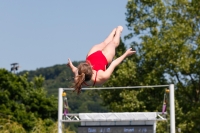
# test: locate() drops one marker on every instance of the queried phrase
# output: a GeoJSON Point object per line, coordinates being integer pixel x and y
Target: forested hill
{"type": "Point", "coordinates": [57, 76]}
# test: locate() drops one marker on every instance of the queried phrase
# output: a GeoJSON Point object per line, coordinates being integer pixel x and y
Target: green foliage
{"type": "Point", "coordinates": [47, 126]}
{"type": "Point", "coordinates": [168, 32]}
{"type": "Point", "coordinates": [55, 77]}
{"type": "Point", "coordinates": [25, 101]}
{"type": "Point", "coordinates": [8, 126]}
{"type": "Point", "coordinates": [42, 126]}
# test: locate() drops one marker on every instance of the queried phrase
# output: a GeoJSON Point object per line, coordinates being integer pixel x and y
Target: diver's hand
{"type": "Point", "coordinates": [129, 52]}
{"type": "Point", "coordinates": [69, 64]}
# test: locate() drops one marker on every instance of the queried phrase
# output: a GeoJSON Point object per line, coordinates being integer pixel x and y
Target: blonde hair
{"type": "Point", "coordinates": [84, 74]}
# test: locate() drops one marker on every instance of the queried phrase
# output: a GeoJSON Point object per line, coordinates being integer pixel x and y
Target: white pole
{"type": "Point", "coordinates": [60, 109]}
{"type": "Point", "coordinates": [172, 109]}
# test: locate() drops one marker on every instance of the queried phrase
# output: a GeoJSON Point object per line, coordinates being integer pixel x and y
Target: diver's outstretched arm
{"type": "Point", "coordinates": [73, 68]}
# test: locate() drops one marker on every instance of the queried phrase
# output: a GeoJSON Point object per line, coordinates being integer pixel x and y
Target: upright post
{"type": "Point", "coordinates": [60, 107]}
{"type": "Point", "coordinates": [172, 108]}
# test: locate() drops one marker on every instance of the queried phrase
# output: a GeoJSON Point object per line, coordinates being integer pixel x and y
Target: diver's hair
{"type": "Point", "coordinates": [84, 74]}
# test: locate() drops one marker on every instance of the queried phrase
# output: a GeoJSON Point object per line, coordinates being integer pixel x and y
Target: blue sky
{"type": "Point", "coordinates": [44, 33]}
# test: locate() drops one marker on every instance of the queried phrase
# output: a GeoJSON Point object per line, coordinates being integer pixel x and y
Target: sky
{"type": "Point", "coordinates": [43, 33]}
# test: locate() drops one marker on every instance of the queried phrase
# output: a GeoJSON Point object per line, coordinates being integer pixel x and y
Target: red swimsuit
{"type": "Point", "coordinates": [98, 62]}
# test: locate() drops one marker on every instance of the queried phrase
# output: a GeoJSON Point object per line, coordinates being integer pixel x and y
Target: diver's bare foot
{"type": "Point", "coordinates": [120, 28]}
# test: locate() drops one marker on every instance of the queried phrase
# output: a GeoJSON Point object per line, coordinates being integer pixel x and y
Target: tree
{"type": "Point", "coordinates": [166, 37]}
{"type": "Point", "coordinates": [25, 102]}
{"type": "Point", "coordinates": [169, 49]}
